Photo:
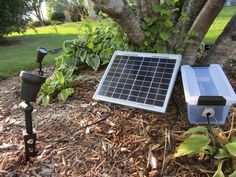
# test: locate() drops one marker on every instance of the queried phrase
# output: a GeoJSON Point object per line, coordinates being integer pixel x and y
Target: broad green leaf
{"type": "Point", "coordinates": [69, 73]}
{"type": "Point", "coordinates": [175, 10]}
{"type": "Point", "coordinates": [93, 61]}
{"type": "Point", "coordinates": [156, 8]}
{"type": "Point", "coordinates": [160, 48]}
{"type": "Point", "coordinates": [154, 30]}
{"type": "Point", "coordinates": [170, 2]}
{"type": "Point", "coordinates": [147, 33]}
{"type": "Point", "coordinates": [231, 148]}
{"type": "Point", "coordinates": [65, 93]}
{"type": "Point", "coordinates": [83, 55]}
{"type": "Point", "coordinates": [147, 19]}
{"type": "Point", "coordinates": [151, 21]}
{"type": "Point", "coordinates": [165, 36]}
{"type": "Point", "coordinates": [45, 100]}
{"type": "Point", "coordinates": [233, 174]}
{"type": "Point", "coordinates": [90, 45]}
{"type": "Point", "coordinates": [60, 77]}
{"type": "Point", "coordinates": [104, 62]}
{"type": "Point", "coordinates": [168, 23]}
{"type": "Point", "coordinates": [219, 172]}
{"type": "Point", "coordinates": [195, 144]}
{"type": "Point", "coordinates": [196, 130]}
{"type": "Point", "coordinates": [221, 154]}
{"type": "Point", "coordinates": [39, 99]}
{"type": "Point", "coordinates": [233, 139]}
{"type": "Point", "coordinates": [83, 77]}
{"type": "Point", "coordinates": [105, 54]}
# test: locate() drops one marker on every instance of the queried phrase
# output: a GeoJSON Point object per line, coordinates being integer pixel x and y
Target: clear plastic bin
{"type": "Point", "coordinates": [207, 87]}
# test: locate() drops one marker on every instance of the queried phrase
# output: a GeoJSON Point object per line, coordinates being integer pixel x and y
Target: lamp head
{"type": "Point", "coordinates": [41, 53]}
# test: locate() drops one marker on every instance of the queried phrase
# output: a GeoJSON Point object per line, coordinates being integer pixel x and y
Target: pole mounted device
{"type": "Point", "coordinates": [30, 86]}
{"type": "Point", "coordinates": [41, 53]}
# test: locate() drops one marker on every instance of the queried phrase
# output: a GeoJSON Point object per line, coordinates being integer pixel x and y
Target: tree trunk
{"type": "Point", "coordinates": [139, 8]}
{"type": "Point", "coordinates": [224, 47]}
{"type": "Point", "coordinates": [122, 14]}
{"type": "Point", "coordinates": [201, 25]}
{"type": "Point", "coordinates": [193, 9]}
{"type": "Point", "coordinates": [92, 13]}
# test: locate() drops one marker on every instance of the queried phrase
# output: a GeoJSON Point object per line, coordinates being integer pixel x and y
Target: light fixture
{"type": "Point", "coordinates": [41, 53]}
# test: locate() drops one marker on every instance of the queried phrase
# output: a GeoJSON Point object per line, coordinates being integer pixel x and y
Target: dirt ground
{"type": "Point", "coordinates": [86, 138]}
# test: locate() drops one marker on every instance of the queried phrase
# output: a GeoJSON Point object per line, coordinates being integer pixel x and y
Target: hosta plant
{"type": "Point", "coordinates": [218, 144]}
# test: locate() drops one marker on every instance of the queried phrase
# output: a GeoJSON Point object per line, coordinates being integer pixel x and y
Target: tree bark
{"type": "Point", "coordinates": [91, 10]}
{"type": "Point", "coordinates": [193, 9]}
{"type": "Point", "coordinates": [36, 7]}
{"type": "Point", "coordinates": [122, 14]}
{"type": "Point", "coordinates": [201, 25]}
{"type": "Point", "coordinates": [224, 47]}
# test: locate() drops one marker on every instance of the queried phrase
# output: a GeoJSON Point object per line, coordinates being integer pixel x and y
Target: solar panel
{"type": "Point", "coordinates": [140, 80]}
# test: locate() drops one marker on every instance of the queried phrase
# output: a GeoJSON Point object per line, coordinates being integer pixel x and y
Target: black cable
{"type": "Point", "coordinates": [214, 139]}
{"type": "Point", "coordinates": [216, 142]}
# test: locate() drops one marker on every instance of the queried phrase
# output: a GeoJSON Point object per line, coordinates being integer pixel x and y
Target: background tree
{"type": "Point", "coordinates": [75, 8]}
{"type": "Point", "coordinates": [174, 26]}
{"type": "Point", "coordinates": [13, 16]}
{"type": "Point", "coordinates": [91, 9]}
{"type": "Point", "coordinates": [36, 9]}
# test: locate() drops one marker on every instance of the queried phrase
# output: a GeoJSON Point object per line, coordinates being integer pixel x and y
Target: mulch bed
{"type": "Point", "coordinates": [83, 137]}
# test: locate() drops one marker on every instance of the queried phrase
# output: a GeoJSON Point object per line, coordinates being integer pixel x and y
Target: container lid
{"type": "Point", "coordinates": [32, 78]}
{"type": "Point", "coordinates": [207, 85]}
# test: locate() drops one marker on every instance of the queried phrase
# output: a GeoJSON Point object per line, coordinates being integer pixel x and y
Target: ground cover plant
{"type": "Point", "coordinates": [208, 142]}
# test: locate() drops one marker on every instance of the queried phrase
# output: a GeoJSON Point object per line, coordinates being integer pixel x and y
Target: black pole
{"type": "Point", "coordinates": [40, 70]}
{"type": "Point", "coordinates": [28, 119]}
{"type": "Point", "coordinates": [29, 134]}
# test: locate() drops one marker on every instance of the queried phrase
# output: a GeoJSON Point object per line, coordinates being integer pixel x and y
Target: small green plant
{"type": "Point", "coordinates": [61, 84]}
{"type": "Point", "coordinates": [213, 142]}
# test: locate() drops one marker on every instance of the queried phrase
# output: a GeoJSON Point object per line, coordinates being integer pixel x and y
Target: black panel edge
{"type": "Point", "coordinates": [211, 100]}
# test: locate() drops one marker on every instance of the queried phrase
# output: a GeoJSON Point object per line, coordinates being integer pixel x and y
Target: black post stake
{"type": "Point", "coordinates": [40, 70]}
{"type": "Point", "coordinates": [30, 86]}
{"type": "Point", "coordinates": [29, 134]}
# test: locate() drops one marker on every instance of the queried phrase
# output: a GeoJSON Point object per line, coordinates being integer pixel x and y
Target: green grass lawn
{"type": "Point", "coordinates": [22, 56]}
{"type": "Point", "coordinates": [219, 24]}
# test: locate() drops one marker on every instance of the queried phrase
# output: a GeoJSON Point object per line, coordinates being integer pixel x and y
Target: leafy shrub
{"type": "Point", "coordinates": [58, 16]}
{"type": "Point", "coordinates": [13, 16]}
{"type": "Point", "coordinates": [95, 47]}
{"type": "Point", "coordinates": [160, 29]}
{"type": "Point", "coordinates": [38, 23]}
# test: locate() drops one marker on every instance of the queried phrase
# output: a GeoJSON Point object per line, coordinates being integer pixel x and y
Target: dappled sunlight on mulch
{"type": "Point", "coordinates": [83, 137]}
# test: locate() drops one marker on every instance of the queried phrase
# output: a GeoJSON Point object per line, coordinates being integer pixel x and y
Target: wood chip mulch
{"type": "Point", "coordinates": [86, 138]}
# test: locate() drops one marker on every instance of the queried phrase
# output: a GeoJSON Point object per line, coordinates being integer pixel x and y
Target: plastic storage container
{"type": "Point", "coordinates": [207, 88]}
